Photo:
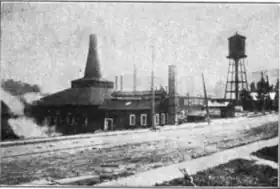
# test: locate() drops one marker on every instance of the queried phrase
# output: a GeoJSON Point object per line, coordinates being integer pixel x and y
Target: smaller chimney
{"type": "Point", "coordinates": [116, 82]}
{"type": "Point", "coordinates": [121, 83]}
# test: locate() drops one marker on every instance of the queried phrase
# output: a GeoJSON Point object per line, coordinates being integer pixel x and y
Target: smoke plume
{"type": "Point", "coordinates": [23, 126]}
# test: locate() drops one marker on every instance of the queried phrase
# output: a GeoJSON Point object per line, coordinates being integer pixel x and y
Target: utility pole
{"type": "Point", "coordinates": [134, 78]}
{"type": "Point", "coordinates": [206, 100]}
{"type": "Point", "coordinates": [188, 98]}
{"type": "Point", "coordinates": [153, 91]}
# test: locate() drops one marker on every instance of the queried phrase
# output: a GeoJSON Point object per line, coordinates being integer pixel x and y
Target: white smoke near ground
{"type": "Point", "coordinates": [24, 126]}
{"type": "Point", "coordinates": [15, 105]}
{"type": "Point", "coordinates": [31, 97]}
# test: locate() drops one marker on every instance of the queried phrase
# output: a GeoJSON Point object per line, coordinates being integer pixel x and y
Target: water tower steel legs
{"type": "Point", "coordinates": [227, 82]}
{"type": "Point", "coordinates": [244, 80]}
{"type": "Point", "coordinates": [236, 82]}
{"type": "Point", "coordinates": [236, 76]}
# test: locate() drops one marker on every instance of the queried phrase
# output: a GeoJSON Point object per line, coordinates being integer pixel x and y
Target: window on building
{"type": "Point", "coordinates": [72, 120]}
{"type": "Point", "coordinates": [57, 117]}
{"type": "Point", "coordinates": [157, 119]}
{"type": "Point", "coordinates": [163, 118]}
{"type": "Point", "coordinates": [132, 119]}
{"type": "Point", "coordinates": [143, 119]}
{"type": "Point", "coordinates": [186, 102]}
{"type": "Point", "coordinates": [51, 120]}
{"type": "Point", "coordinates": [47, 120]}
{"type": "Point", "coordinates": [67, 119]}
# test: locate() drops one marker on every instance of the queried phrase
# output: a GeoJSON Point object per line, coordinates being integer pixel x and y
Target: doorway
{"type": "Point", "coordinates": [108, 124]}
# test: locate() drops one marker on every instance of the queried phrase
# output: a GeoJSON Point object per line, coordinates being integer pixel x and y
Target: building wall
{"type": "Point", "coordinates": [228, 112]}
{"type": "Point", "coordinates": [190, 103]}
{"type": "Point", "coordinates": [70, 119]}
{"type": "Point", "coordinates": [222, 112]}
{"type": "Point", "coordinates": [83, 119]}
{"type": "Point", "coordinates": [121, 118]}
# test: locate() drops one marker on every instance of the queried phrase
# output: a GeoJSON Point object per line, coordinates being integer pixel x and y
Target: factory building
{"type": "Point", "coordinates": [76, 110]}
{"type": "Point", "coordinates": [92, 104]}
{"type": "Point", "coordinates": [220, 109]}
{"type": "Point", "coordinates": [191, 103]}
{"type": "Point", "coordinates": [129, 110]}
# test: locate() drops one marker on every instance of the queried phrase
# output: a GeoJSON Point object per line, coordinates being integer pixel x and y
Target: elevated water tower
{"type": "Point", "coordinates": [236, 77]}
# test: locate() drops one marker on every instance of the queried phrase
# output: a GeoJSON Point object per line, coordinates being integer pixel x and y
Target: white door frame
{"type": "Point", "coordinates": [106, 126]}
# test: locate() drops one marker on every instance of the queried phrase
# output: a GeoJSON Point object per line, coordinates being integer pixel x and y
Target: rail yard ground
{"type": "Point", "coordinates": [129, 154]}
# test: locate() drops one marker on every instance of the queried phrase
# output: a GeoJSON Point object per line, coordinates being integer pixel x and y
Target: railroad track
{"type": "Point", "coordinates": [83, 147]}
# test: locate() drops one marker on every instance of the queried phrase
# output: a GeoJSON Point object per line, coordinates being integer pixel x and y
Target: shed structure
{"type": "Point", "coordinates": [130, 110]}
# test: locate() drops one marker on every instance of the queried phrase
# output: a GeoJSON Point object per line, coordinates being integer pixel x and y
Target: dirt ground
{"type": "Point", "coordinates": [133, 153]}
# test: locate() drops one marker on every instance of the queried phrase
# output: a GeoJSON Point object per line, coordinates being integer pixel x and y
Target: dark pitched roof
{"type": "Point", "coordinates": [113, 104]}
{"type": "Point", "coordinates": [76, 96]}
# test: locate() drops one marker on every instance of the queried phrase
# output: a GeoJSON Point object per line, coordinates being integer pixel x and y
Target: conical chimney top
{"type": "Point", "coordinates": [92, 66]}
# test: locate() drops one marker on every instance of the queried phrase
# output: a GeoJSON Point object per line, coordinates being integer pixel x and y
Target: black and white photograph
{"type": "Point", "coordinates": [139, 94]}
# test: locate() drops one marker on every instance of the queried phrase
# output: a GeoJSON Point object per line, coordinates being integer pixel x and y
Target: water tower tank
{"type": "Point", "coordinates": [237, 47]}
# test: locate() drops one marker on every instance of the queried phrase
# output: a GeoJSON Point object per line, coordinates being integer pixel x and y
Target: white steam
{"type": "Point", "coordinates": [13, 102]}
{"type": "Point", "coordinates": [27, 128]}
{"type": "Point", "coordinates": [23, 126]}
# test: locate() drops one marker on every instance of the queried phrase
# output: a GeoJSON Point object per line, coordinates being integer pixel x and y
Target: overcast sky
{"type": "Point", "coordinates": [47, 43]}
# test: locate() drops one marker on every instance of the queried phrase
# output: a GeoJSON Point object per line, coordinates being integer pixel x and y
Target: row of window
{"type": "Point", "coordinates": [143, 119]}
{"type": "Point", "coordinates": [67, 120]}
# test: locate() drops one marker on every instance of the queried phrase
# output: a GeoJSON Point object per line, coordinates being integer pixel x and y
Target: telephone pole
{"type": "Point", "coordinates": [153, 91]}
{"type": "Point", "coordinates": [134, 78]}
{"type": "Point", "coordinates": [206, 100]}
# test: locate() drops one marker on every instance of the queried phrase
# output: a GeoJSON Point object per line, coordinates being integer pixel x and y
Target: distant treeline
{"type": "Point", "coordinates": [19, 88]}
{"type": "Point", "coordinates": [262, 91]}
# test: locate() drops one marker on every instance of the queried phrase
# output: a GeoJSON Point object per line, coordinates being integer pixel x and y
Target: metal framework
{"type": "Point", "coordinates": [236, 79]}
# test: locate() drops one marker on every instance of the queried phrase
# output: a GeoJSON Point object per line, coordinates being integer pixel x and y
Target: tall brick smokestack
{"type": "Point", "coordinates": [92, 66]}
{"type": "Point", "coordinates": [116, 82]}
{"type": "Point", "coordinates": [172, 80]}
{"type": "Point", "coordinates": [172, 94]}
{"type": "Point", "coordinates": [121, 87]}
